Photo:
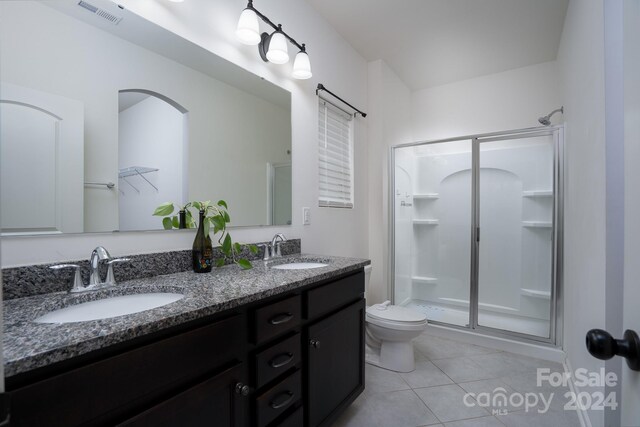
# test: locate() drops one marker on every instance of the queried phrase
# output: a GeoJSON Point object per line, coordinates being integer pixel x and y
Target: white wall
{"type": "Point", "coordinates": [581, 63]}
{"type": "Point", "coordinates": [211, 24]}
{"type": "Point", "coordinates": [389, 124]}
{"type": "Point", "coordinates": [510, 100]}
{"type": "Point", "coordinates": [150, 134]}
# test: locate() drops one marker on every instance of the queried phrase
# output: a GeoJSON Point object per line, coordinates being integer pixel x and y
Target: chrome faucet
{"type": "Point", "coordinates": [272, 250]}
{"type": "Point", "coordinates": [97, 255]}
{"type": "Point", "coordinates": [275, 245]}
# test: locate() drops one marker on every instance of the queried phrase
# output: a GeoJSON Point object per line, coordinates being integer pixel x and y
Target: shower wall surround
{"type": "Point", "coordinates": [434, 214]}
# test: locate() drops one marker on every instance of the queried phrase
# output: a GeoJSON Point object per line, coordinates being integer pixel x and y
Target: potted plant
{"type": "Point", "coordinates": [212, 218]}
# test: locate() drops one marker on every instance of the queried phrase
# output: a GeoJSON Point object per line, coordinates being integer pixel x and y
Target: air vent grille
{"type": "Point", "coordinates": [100, 12]}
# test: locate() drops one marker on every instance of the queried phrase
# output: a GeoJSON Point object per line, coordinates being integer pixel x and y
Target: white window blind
{"type": "Point", "coordinates": [335, 149]}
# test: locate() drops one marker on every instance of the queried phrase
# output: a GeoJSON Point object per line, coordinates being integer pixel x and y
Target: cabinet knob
{"type": "Point", "coordinates": [314, 343]}
{"type": "Point", "coordinates": [243, 389]}
{"type": "Point", "coordinates": [603, 346]}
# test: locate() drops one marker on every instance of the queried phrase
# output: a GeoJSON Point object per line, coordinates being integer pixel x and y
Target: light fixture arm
{"type": "Point", "coordinates": [276, 27]}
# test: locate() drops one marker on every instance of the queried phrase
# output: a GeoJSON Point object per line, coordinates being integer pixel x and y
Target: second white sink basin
{"type": "Point", "coordinates": [109, 307]}
{"type": "Point", "coordinates": [299, 265]}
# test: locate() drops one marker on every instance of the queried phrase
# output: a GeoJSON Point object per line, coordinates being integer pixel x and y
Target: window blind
{"type": "Point", "coordinates": [335, 149]}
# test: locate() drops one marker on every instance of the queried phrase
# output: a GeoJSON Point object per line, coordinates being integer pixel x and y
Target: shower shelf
{"type": "Point", "coordinates": [424, 280]}
{"type": "Point", "coordinates": [425, 222]}
{"type": "Point", "coordinates": [537, 224]}
{"type": "Point", "coordinates": [535, 293]}
{"type": "Point", "coordinates": [426, 196]}
{"type": "Point", "coordinates": [541, 193]}
{"type": "Point", "coordinates": [135, 170]}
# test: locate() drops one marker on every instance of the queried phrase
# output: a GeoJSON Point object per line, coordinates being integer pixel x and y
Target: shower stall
{"type": "Point", "coordinates": [476, 230]}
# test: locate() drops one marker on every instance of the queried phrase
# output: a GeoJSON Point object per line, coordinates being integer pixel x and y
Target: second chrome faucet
{"type": "Point", "coordinates": [273, 249]}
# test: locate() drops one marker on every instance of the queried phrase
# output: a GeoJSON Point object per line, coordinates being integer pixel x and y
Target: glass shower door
{"type": "Point", "coordinates": [432, 229]}
{"type": "Point", "coordinates": [514, 181]}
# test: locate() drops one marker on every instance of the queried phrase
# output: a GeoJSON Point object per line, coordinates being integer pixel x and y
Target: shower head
{"type": "Point", "coordinates": [546, 120]}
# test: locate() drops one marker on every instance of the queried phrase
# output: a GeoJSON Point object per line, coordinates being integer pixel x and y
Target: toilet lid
{"type": "Point", "coordinates": [395, 313]}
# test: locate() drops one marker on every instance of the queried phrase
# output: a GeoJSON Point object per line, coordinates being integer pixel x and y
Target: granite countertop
{"type": "Point", "coordinates": [29, 345]}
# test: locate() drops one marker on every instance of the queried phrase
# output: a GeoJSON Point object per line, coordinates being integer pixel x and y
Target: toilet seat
{"type": "Point", "coordinates": [395, 317]}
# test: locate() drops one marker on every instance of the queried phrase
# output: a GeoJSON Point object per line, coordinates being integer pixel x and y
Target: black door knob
{"type": "Point", "coordinates": [603, 346]}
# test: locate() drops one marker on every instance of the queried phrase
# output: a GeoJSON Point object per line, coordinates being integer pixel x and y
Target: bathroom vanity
{"type": "Point", "coordinates": [261, 347]}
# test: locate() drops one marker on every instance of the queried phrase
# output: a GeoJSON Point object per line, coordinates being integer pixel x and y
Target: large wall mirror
{"type": "Point", "coordinates": [105, 116]}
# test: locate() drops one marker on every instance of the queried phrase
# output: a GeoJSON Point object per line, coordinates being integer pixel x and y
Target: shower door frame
{"type": "Point", "coordinates": [556, 299]}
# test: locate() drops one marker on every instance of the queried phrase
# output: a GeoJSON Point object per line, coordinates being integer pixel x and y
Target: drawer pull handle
{"type": "Point", "coordinates": [281, 360]}
{"type": "Point", "coordinates": [277, 405]}
{"type": "Point", "coordinates": [281, 318]}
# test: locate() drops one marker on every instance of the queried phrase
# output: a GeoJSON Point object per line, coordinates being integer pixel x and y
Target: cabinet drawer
{"type": "Point", "coordinates": [334, 295]}
{"type": "Point", "coordinates": [276, 400]}
{"type": "Point", "coordinates": [276, 318]}
{"type": "Point", "coordinates": [129, 380]}
{"type": "Point", "coordinates": [212, 402]}
{"type": "Point", "coordinates": [277, 359]}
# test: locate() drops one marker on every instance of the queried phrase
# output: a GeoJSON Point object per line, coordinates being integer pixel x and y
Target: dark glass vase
{"type": "Point", "coordinates": [202, 249]}
{"type": "Point", "coordinates": [182, 218]}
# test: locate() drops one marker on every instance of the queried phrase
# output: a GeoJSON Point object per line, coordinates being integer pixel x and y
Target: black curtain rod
{"type": "Point", "coordinates": [321, 87]}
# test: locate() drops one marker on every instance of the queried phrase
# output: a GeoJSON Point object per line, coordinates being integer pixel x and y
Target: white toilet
{"type": "Point", "coordinates": [390, 330]}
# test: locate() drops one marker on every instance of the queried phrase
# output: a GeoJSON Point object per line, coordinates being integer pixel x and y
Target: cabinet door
{"type": "Point", "coordinates": [213, 402]}
{"type": "Point", "coordinates": [335, 369]}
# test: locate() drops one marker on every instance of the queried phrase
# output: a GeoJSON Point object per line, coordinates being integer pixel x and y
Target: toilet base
{"type": "Point", "coordinates": [394, 356]}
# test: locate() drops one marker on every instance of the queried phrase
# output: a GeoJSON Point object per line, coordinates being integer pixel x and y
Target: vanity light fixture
{"type": "Point", "coordinates": [272, 47]}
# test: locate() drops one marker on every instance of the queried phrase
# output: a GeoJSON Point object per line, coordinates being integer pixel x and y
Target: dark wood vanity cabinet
{"type": "Point", "coordinates": [335, 369]}
{"type": "Point", "coordinates": [296, 359]}
{"type": "Point", "coordinates": [215, 401]}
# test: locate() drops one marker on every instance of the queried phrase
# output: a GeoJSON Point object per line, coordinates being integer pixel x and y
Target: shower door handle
{"type": "Point", "coordinates": [477, 234]}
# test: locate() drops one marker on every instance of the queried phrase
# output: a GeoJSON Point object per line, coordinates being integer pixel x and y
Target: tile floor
{"type": "Point", "coordinates": [446, 370]}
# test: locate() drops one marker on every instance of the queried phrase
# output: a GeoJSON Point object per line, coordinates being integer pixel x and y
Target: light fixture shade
{"type": "Point", "coordinates": [277, 52]}
{"type": "Point", "coordinates": [301, 66]}
{"type": "Point", "coordinates": [248, 30]}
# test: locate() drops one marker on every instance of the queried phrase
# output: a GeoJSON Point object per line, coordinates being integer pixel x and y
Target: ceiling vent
{"type": "Point", "coordinates": [100, 12]}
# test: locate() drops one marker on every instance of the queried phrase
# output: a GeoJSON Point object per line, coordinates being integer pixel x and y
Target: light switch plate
{"type": "Point", "coordinates": [306, 216]}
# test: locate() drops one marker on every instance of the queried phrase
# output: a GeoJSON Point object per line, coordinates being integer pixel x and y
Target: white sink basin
{"type": "Point", "coordinates": [109, 307]}
{"type": "Point", "coordinates": [299, 265]}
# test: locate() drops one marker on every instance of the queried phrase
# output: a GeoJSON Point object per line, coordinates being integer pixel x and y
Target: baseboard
{"type": "Point", "coordinates": [539, 351]}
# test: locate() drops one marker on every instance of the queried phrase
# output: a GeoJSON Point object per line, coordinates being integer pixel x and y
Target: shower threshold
{"type": "Point", "coordinates": [453, 315]}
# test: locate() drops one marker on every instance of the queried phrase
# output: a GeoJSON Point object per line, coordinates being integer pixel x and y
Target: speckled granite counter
{"type": "Point", "coordinates": [29, 345]}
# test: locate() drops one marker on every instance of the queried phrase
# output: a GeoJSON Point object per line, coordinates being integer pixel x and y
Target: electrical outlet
{"type": "Point", "coordinates": [306, 216]}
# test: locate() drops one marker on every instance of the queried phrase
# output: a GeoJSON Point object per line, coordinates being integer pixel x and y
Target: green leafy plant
{"type": "Point", "coordinates": [173, 221]}
{"type": "Point", "coordinates": [216, 219]}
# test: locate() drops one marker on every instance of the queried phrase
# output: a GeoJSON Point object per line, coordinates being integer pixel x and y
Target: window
{"type": "Point", "coordinates": [335, 149]}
